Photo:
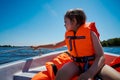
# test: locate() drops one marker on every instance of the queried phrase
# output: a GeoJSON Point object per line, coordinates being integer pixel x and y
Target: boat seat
{"type": "Point", "coordinates": [29, 74]}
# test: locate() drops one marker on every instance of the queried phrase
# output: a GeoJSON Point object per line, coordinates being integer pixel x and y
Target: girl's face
{"type": "Point", "coordinates": [69, 25]}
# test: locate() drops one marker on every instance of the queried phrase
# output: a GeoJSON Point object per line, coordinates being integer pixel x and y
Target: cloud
{"type": "Point", "coordinates": [51, 10]}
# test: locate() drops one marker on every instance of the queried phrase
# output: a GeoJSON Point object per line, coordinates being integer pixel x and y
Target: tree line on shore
{"type": "Point", "coordinates": [5, 46]}
{"type": "Point", "coordinates": [111, 42]}
{"type": "Point", "coordinates": [105, 43]}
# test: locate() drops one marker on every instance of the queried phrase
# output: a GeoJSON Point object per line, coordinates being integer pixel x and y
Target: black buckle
{"type": "Point", "coordinates": [83, 59]}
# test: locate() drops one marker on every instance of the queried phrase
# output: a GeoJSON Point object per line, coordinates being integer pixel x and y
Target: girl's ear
{"type": "Point", "coordinates": [74, 21]}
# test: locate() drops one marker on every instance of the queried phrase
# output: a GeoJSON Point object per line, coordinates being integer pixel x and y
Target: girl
{"type": "Point", "coordinates": [84, 48]}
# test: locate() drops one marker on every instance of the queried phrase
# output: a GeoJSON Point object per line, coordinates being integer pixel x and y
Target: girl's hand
{"type": "Point", "coordinates": [85, 76]}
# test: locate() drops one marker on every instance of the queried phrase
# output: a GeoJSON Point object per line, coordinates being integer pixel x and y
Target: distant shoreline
{"type": "Point", "coordinates": [113, 42]}
{"type": "Point", "coordinates": [6, 46]}
{"type": "Point", "coordinates": [10, 46]}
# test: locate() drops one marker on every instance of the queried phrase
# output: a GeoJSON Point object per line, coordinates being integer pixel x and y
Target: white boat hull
{"type": "Point", "coordinates": [26, 69]}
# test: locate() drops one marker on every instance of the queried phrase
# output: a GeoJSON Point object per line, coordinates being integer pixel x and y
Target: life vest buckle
{"type": "Point", "coordinates": [83, 59]}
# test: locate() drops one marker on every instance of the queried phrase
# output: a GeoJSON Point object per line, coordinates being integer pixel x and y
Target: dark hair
{"type": "Point", "coordinates": [78, 14]}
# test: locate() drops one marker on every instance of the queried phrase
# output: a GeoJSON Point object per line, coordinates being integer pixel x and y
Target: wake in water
{"type": "Point", "coordinates": [10, 54]}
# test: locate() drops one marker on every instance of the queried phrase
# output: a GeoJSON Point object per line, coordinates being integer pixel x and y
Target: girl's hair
{"type": "Point", "coordinates": [78, 14]}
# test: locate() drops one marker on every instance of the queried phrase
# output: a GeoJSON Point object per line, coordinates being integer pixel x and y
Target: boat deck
{"type": "Point", "coordinates": [29, 74]}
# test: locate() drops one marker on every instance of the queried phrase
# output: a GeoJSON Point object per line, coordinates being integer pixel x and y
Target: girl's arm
{"type": "Point", "coordinates": [99, 56]}
{"type": "Point", "coordinates": [50, 46]}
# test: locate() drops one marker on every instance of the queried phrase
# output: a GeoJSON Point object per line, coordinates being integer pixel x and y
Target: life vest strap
{"type": "Point", "coordinates": [83, 59]}
{"type": "Point", "coordinates": [54, 68]}
{"type": "Point", "coordinates": [72, 38]}
{"type": "Point", "coordinates": [75, 37]}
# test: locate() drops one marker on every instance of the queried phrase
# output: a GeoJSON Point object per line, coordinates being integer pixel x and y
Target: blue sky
{"type": "Point", "coordinates": [34, 22]}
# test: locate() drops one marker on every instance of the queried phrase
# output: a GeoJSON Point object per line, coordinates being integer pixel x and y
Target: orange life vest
{"type": "Point", "coordinates": [54, 65]}
{"type": "Point", "coordinates": [80, 44]}
{"type": "Point", "coordinates": [43, 75]}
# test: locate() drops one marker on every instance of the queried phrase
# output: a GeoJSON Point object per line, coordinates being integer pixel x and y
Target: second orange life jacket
{"type": "Point", "coordinates": [116, 64]}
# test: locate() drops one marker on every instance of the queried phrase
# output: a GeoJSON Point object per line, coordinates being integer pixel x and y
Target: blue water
{"type": "Point", "coordinates": [115, 50]}
{"type": "Point", "coordinates": [10, 54]}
